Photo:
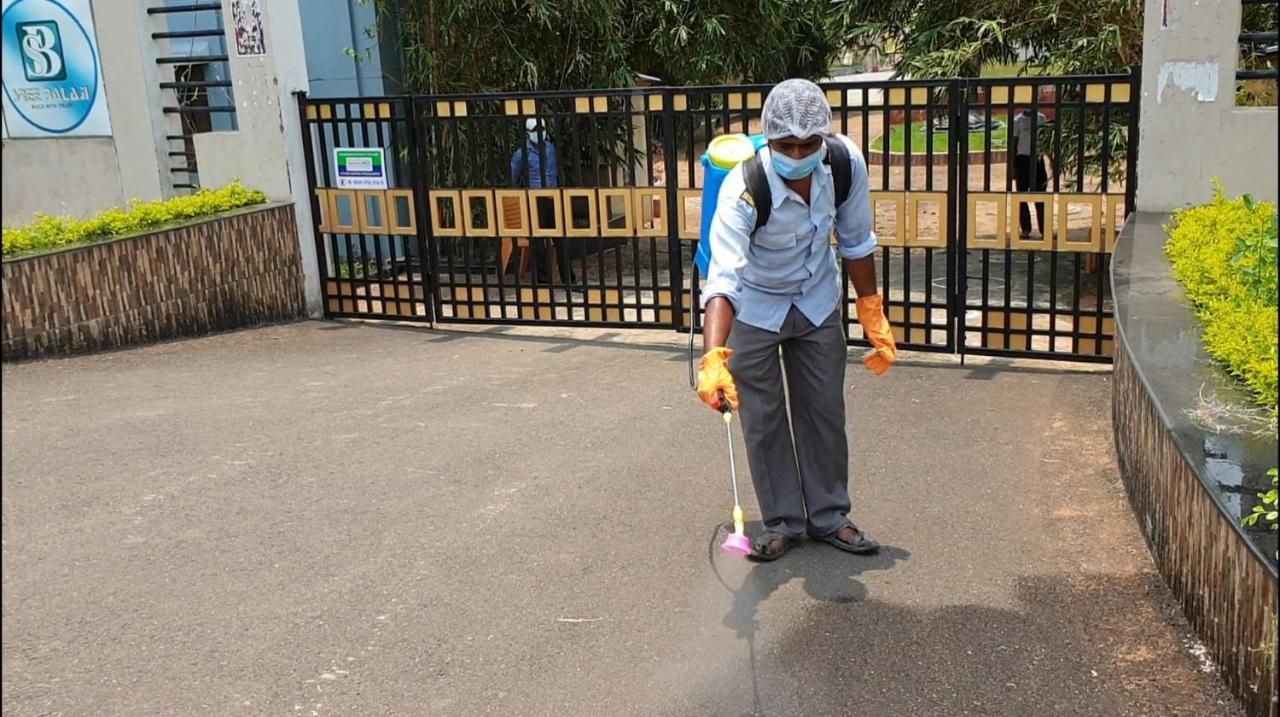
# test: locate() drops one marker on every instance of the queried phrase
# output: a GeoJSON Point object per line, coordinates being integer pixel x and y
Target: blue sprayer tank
{"type": "Point", "coordinates": [723, 154]}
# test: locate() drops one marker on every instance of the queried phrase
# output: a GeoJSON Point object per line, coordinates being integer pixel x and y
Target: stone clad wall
{"type": "Point", "coordinates": [235, 270]}
{"type": "Point", "coordinates": [1227, 594]}
{"type": "Point", "coordinates": [1224, 577]}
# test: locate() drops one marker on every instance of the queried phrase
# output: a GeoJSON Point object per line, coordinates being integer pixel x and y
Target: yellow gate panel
{"type": "Point", "coordinates": [469, 197]}
{"type": "Point", "coordinates": [1016, 200]}
{"type": "Point", "coordinates": [915, 238]}
{"type": "Point", "coordinates": [651, 211]}
{"type": "Point", "coordinates": [401, 218]}
{"type": "Point", "coordinates": [898, 200]}
{"type": "Point", "coordinates": [436, 198]}
{"type": "Point", "coordinates": [513, 213]}
{"type": "Point", "coordinates": [1094, 202]}
{"type": "Point", "coordinates": [622, 197]}
{"type": "Point", "coordinates": [1001, 238]}
{"type": "Point", "coordinates": [585, 195]}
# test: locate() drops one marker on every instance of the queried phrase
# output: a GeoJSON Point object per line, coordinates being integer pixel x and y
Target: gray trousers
{"type": "Point", "coordinates": [800, 466]}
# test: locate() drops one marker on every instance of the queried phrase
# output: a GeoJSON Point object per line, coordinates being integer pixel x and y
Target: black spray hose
{"type": "Point", "coordinates": [693, 375]}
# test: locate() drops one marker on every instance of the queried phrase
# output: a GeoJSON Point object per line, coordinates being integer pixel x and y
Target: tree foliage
{"type": "Point", "coordinates": [957, 38]}
{"type": "Point", "coordinates": [714, 41]}
{"type": "Point", "coordinates": [451, 46]}
{"type": "Point", "coordinates": [1059, 37]}
{"type": "Point", "coordinates": [496, 45]}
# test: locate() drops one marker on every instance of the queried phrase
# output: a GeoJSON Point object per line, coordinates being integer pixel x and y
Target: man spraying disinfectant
{"type": "Point", "coordinates": [770, 304]}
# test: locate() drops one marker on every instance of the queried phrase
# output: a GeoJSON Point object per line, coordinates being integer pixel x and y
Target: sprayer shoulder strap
{"type": "Point", "coordinates": [761, 197]}
{"type": "Point", "coordinates": [757, 193]}
{"type": "Point", "coordinates": [841, 168]}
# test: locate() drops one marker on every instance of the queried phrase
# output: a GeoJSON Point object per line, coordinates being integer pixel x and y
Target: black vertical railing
{"type": "Point", "coordinates": [200, 88]}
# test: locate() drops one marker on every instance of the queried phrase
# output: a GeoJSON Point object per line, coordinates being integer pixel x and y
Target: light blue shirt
{"type": "Point", "coordinates": [789, 262]}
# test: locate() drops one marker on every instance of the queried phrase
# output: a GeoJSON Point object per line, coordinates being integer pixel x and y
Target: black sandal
{"type": "Point", "coordinates": [862, 546]}
{"type": "Point", "coordinates": [764, 550]}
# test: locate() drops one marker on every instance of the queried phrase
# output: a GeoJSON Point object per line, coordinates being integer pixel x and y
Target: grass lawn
{"type": "Point", "coordinates": [897, 140]}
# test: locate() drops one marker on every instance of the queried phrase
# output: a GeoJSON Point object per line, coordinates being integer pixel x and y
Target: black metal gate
{"type": "Point", "coordinates": [449, 230]}
{"type": "Point", "coordinates": [1038, 226]}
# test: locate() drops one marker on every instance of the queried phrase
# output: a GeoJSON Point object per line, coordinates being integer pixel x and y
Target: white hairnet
{"type": "Point", "coordinates": [795, 108]}
{"type": "Point", "coordinates": [532, 123]}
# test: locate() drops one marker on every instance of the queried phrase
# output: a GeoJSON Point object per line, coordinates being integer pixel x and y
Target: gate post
{"type": "Point", "coordinates": [420, 176]}
{"type": "Point", "coordinates": [958, 188]}
{"type": "Point", "coordinates": [675, 251]}
{"type": "Point", "coordinates": [1131, 154]}
{"type": "Point", "coordinates": [313, 200]}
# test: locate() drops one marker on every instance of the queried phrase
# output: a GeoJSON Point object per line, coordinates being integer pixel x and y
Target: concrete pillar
{"type": "Point", "coordinates": [136, 117]}
{"type": "Point", "coordinates": [266, 152]}
{"type": "Point", "coordinates": [1191, 131]}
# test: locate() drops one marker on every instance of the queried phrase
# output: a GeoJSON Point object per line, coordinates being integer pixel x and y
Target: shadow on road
{"type": "Point", "coordinates": [828, 576]}
{"type": "Point", "coordinates": [984, 369]}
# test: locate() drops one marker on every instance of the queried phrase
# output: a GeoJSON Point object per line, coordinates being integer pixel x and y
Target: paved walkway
{"type": "Point", "coordinates": [341, 519]}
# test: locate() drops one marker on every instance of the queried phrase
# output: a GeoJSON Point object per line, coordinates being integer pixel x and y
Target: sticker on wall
{"type": "Point", "coordinates": [52, 71]}
{"type": "Point", "coordinates": [251, 40]}
{"type": "Point", "coordinates": [360, 168]}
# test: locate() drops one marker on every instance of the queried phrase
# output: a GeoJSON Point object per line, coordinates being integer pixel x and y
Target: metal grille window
{"type": "Point", "coordinates": [195, 80]}
{"type": "Point", "coordinates": [1256, 72]}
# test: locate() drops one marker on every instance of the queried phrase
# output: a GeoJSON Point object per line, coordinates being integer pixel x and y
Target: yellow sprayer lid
{"type": "Point", "coordinates": [728, 150]}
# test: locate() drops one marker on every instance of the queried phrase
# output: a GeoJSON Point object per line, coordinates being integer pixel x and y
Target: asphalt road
{"type": "Point", "coordinates": [346, 519]}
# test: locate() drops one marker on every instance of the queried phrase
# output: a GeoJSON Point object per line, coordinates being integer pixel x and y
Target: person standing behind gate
{"type": "Point", "coordinates": [773, 288]}
{"type": "Point", "coordinates": [536, 166]}
{"type": "Point", "coordinates": [1030, 173]}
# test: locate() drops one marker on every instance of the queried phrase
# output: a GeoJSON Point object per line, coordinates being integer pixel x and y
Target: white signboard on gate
{"type": "Point", "coordinates": [361, 167]}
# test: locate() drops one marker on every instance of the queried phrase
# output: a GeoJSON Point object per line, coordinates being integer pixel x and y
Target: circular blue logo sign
{"type": "Point", "coordinates": [50, 66]}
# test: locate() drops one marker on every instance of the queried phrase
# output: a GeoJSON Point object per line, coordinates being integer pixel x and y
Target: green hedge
{"type": "Point", "coordinates": [1224, 253]}
{"type": "Point", "coordinates": [47, 233]}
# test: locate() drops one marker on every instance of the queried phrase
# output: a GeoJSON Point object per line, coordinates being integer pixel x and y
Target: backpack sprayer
{"type": "Point", "coordinates": [723, 154]}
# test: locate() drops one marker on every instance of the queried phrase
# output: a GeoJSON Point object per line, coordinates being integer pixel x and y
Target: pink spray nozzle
{"type": "Point", "coordinates": [736, 543]}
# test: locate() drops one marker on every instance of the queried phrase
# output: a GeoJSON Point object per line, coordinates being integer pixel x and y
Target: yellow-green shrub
{"type": "Point", "coordinates": [1225, 254]}
{"type": "Point", "coordinates": [46, 232]}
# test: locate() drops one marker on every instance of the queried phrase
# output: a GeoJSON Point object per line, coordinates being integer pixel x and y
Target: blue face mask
{"type": "Point", "coordinates": [536, 136]}
{"type": "Point", "coordinates": [789, 168]}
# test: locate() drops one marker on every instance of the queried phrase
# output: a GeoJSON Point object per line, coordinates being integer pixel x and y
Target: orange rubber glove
{"type": "Point", "coordinates": [877, 330]}
{"type": "Point", "coordinates": [714, 378]}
